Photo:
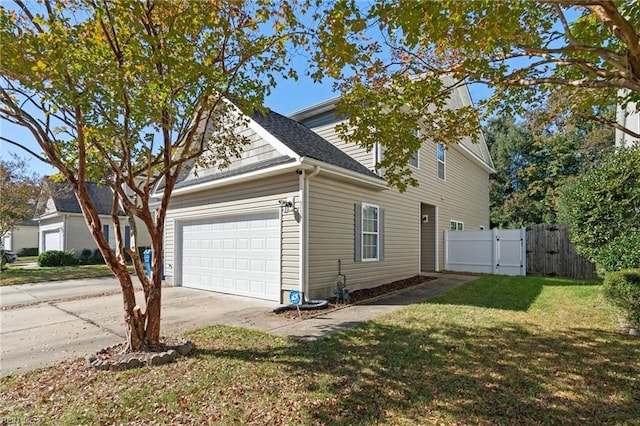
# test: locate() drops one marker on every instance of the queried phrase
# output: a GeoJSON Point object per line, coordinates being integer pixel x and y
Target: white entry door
{"type": "Point", "coordinates": [236, 255]}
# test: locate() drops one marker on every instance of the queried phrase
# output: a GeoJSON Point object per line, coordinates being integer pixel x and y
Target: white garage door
{"type": "Point", "coordinates": [52, 240]}
{"type": "Point", "coordinates": [6, 242]}
{"type": "Point", "coordinates": [236, 255]}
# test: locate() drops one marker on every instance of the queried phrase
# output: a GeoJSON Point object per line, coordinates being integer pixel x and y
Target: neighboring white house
{"type": "Point", "coordinates": [628, 117]}
{"type": "Point", "coordinates": [300, 206]}
{"type": "Point", "coordinates": [21, 237]}
{"type": "Point", "coordinates": [63, 227]}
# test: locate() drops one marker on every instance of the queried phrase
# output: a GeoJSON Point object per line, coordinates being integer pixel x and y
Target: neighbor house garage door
{"type": "Point", "coordinates": [235, 255]}
{"type": "Point", "coordinates": [52, 240]}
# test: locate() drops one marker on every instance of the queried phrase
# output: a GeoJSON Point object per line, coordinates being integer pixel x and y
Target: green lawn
{"type": "Point", "coordinates": [499, 350]}
{"type": "Point", "coordinates": [17, 275]}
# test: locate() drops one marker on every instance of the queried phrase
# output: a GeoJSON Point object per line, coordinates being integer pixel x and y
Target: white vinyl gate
{"type": "Point", "coordinates": [495, 251]}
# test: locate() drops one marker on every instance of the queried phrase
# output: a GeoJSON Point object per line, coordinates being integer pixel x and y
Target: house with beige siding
{"type": "Point", "coordinates": [22, 236]}
{"type": "Point", "coordinates": [62, 225]}
{"type": "Point", "coordinates": [299, 207]}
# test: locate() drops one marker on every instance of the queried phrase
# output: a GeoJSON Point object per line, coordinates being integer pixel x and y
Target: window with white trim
{"type": "Point", "coordinates": [105, 232]}
{"type": "Point", "coordinates": [456, 225]}
{"type": "Point", "coordinates": [377, 158]}
{"type": "Point", "coordinates": [369, 232]}
{"type": "Point", "coordinates": [414, 161]}
{"type": "Point", "coordinates": [441, 160]}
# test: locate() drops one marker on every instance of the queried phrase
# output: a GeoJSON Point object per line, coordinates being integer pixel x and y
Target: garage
{"type": "Point", "coordinates": [237, 255]}
{"type": "Point", "coordinates": [52, 240]}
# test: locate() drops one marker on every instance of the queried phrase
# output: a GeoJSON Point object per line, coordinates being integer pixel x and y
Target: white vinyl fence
{"type": "Point", "coordinates": [495, 251]}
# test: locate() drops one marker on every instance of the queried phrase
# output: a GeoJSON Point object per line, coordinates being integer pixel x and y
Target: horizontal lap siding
{"type": "Point", "coordinates": [356, 152]}
{"type": "Point", "coordinates": [78, 236]}
{"type": "Point", "coordinates": [257, 150]}
{"type": "Point", "coordinates": [242, 198]}
{"type": "Point", "coordinates": [331, 238]}
{"type": "Point", "coordinates": [463, 196]}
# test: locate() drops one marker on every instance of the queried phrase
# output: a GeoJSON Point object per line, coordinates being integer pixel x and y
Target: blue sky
{"type": "Point", "coordinates": [287, 97]}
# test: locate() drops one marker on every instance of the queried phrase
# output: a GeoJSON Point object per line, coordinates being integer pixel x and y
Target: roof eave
{"type": "Point", "coordinates": [322, 107]}
{"type": "Point", "coordinates": [356, 177]}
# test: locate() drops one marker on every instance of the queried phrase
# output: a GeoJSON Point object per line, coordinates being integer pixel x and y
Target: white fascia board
{"type": "Point", "coordinates": [243, 177]}
{"type": "Point", "coordinates": [263, 133]}
{"type": "Point", "coordinates": [349, 174]}
{"type": "Point", "coordinates": [319, 108]}
{"type": "Point", "coordinates": [49, 216]}
{"type": "Point", "coordinates": [272, 140]}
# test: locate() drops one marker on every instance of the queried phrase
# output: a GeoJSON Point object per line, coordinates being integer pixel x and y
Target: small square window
{"type": "Point", "coordinates": [456, 225]}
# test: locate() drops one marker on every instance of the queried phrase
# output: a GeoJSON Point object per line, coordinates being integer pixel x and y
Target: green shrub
{"type": "Point", "coordinates": [86, 257]}
{"type": "Point", "coordinates": [602, 209]}
{"type": "Point", "coordinates": [622, 288]}
{"type": "Point", "coordinates": [57, 258]}
{"type": "Point", "coordinates": [621, 253]}
{"type": "Point", "coordinates": [29, 251]}
{"type": "Point", "coordinates": [97, 258]}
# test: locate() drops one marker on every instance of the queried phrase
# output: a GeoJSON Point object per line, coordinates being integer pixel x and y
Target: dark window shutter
{"type": "Point", "coordinates": [380, 234]}
{"type": "Point", "coordinates": [357, 238]}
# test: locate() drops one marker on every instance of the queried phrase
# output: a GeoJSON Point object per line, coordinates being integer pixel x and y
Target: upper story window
{"type": "Point", "coordinates": [414, 161]}
{"type": "Point", "coordinates": [377, 158]}
{"type": "Point", "coordinates": [441, 160]}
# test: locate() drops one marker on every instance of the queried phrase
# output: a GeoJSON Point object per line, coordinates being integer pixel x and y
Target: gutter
{"type": "Point", "coordinates": [64, 231]}
{"type": "Point", "coordinates": [346, 173]}
{"type": "Point", "coordinates": [302, 163]}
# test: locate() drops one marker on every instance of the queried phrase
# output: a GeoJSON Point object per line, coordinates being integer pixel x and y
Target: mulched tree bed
{"type": "Point", "coordinates": [116, 358]}
{"type": "Point", "coordinates": [358, 296]}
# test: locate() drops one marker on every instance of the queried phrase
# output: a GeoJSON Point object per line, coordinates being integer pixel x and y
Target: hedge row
{"type": "Point", "coordinates": [622, 288]}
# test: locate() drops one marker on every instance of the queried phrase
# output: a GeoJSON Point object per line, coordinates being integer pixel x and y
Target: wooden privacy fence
{"type": "Point", "coordinates": [550, 252]}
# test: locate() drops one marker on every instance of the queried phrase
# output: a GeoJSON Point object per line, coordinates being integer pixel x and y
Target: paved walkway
{"type": "Point", "coordinates": [48, 322]}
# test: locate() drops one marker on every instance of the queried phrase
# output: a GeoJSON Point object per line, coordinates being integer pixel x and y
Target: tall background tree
{"type": "Point", "coordinates": [533, 158]}
{"type": "Point", "coordinates": [587, 53]}
{"type": "Point", "coordinates": [19, 190]}
{"type": "Point", "coordinates": [124, 93]}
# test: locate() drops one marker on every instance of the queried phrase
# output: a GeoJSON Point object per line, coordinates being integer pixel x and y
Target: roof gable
{"type": "Point", "coordinates": [306, 143]}
{"type": "Point", "coordinates": [63, 200]}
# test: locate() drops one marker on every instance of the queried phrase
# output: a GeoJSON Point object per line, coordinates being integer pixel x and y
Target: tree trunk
{"type": "Point", "coordinates": [154, 296]}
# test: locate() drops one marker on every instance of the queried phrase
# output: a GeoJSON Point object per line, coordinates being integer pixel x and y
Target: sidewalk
{"type": "Point", "coordinates": [351, 315]}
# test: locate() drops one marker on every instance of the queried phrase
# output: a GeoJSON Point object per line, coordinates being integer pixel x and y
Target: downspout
{"type": "Point", "coordinates": [305, 232]}
{"type": "Point", "coordinates": [64, 232]}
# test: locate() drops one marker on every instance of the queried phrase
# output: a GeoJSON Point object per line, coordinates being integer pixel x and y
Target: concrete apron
{"type": "Point", "coordinates": [49, 331]}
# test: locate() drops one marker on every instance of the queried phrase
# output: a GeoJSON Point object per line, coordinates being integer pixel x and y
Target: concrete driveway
{"type": "Point", "coordinates": [49, 322]}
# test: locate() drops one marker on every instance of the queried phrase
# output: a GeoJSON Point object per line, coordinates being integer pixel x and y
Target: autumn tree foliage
{"type": "Point", "coordinates": [124, 93]}
{"type": "Point", "coordinates": [533, 157]}
{"type": "Point", "coordinates": [397, 62]}
{"type": "Point", "coordinates": [19, 190]}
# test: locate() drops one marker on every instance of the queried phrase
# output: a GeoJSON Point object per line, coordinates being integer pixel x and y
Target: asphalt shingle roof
{"type": "Point", "coordinates": [305, 142]}
{"type": "Point", "coordinates": [66, 201]}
